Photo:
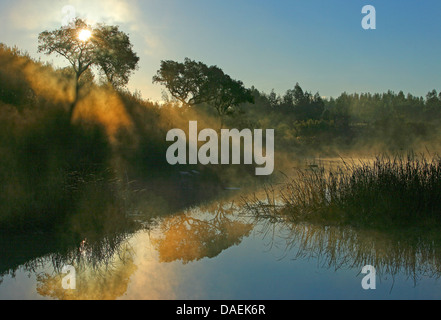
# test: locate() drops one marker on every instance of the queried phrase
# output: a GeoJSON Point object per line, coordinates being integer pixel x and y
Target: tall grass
{"type": "Point", "coordinates": [386, 191]}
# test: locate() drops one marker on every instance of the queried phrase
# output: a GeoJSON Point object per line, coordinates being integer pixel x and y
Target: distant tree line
{"type": "Point", "coordinates": [301, 117]}
{"type": "Point", "coordinates": [395, 120]}
{"type": "Point", "coordinates": [302, 105]}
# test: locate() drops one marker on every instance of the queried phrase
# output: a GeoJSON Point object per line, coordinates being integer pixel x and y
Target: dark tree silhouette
{"type": "Point", "coordinates": [193, 83]}
{"type": "Point", "coordinates": [185, 81]}
{"type": "Point", "coordinates": [84, 46]}
{"type": "Point", "coordinates": [114, 54]}
{"type": "Point", "coordinates": [303, 104]}
{"type": "Point", "coordinates": [225, 93]}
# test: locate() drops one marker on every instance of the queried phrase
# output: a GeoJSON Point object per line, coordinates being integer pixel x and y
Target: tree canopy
{"type": "Point", "coordinates": [84, 46]}
{"type": "Point", "coordinates": [193, 83]}
{"type": "Point", "coordinates": [186, 82]}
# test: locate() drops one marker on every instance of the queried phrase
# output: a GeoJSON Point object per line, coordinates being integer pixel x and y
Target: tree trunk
{"type": "Point", "coordinates": [76, 96]}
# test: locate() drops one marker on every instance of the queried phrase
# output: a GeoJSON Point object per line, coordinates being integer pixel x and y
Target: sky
{"type": "Point", "coordinates": [319, 44]}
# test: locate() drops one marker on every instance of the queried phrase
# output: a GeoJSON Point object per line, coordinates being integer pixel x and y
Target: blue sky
{"type": "Point", "coordinates": [268, 44]}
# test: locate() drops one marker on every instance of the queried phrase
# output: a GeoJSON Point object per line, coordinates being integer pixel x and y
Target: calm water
{"type": "Point", "coordinates": [219, 252]}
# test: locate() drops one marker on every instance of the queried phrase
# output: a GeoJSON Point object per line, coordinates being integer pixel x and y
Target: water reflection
{"type": "Point", "coordinates": [190, 255]}
{"type": "Point", "coordinates": [410, 253]}
{"type": "Point", "coordinates": [201, 233]}
{"type": "Point", "coordinates": [106, 282]}
{"type": "Point", "coordinates": [46, 254]}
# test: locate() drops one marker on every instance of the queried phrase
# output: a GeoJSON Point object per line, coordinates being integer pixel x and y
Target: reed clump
{"type": "Point", "coordinates": [382, 192]}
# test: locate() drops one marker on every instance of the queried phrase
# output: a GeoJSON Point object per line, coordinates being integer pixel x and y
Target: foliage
{"type": "Point", "coordinates": [108, 49]}
{"type": "Point", "coordinates": [194, 83]}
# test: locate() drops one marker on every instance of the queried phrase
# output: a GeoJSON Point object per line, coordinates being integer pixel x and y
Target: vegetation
{"type": "Point", "coordinates": [85, 47]}
{"type": "Point", "coordinates": [194, 83]}
{"type": "Point", "coordinates": [351, 124]}
{"type": "Point", "coordinates": [99, 164]}
{"type": "Point", "coordinates": [56, 166]}
{"type": "Point", "coordinates": [397, 192]}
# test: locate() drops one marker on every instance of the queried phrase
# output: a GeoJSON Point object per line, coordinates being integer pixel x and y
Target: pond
{"type": "Point", "coordinates": [219, 251]}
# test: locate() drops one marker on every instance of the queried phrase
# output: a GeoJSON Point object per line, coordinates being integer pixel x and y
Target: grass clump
{"type": "Point", "coordinates": [400, 191]}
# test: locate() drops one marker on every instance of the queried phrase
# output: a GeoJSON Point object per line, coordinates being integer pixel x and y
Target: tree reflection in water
{"type": "Point", "coordinates": [102, 260]}
{"type": "Point", "coordinates": [107, 281]}
{"type": "Point", "coordinates": [191, 236]}
{"type": "Point", "coordinates": [104, 267]}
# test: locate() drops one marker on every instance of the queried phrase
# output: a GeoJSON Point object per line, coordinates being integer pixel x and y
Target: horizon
{"type": "Point", "coordinates": [318, 44]}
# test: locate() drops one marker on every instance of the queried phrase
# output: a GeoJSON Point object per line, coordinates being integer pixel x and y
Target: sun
{"type": "Point", "coordinates": [84, 35]}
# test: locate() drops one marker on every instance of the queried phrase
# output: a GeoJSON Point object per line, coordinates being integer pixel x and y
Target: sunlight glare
{"type": "Point", "coordinates": [84, 35]}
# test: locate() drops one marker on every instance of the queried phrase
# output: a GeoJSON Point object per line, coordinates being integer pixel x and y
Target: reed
{"type": "Point", "coordinates": [382, 192]}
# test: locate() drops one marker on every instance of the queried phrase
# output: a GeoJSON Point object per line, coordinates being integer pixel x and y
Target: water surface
{"type": "Point", "coordinates": [219, 251]}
